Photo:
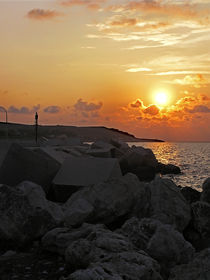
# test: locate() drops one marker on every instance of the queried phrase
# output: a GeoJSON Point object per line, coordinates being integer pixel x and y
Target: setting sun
{"type": "Point", "coordinates": [161, 98]}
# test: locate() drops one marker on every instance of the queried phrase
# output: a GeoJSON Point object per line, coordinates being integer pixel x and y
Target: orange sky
{"type": "Point", "coordinates": [102, 62]}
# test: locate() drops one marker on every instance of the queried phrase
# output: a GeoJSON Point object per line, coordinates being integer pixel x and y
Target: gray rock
{"type": "Point", "coordinates": [108, 254]}
{"type": "Point", "coordinates": [119, 145]}
{"type": "Point", "coordinates": [168, 204]}
{"type": "Point", "coordinates": [205, 195]}
{"type": "Point", "coordinates": [101, 153]}
{"type": "Point", "coordinates": [139, 156]}
{"type": "Point", "coordinates": [102, 145]}
{"type": "Point", "coordinates": [65, 141]}
{"type": "Point", "coordinates": [139, 161]}
{"type": "Point", "coordinates": [22, 164]}
{"type": "Point", "coordinates": [97, 271]}
{"type": "Point", "coordinates": [191, 195]}
{"type": "Point", "coordinates": [58, 239]}
{"type": "Point", "coordinates": [126, 265]}
{"type": "Point", "coordinates": [168, 169]}
{"type": "Point", "coordinates": [108, 202]}
{"type": "Point", "coordinates": [160, 241]}
{"type": "Point", "coordinates": [25, 213]}
{"type": "Point", "coordinates": [197, 269]}
{"type": "Point", "coordinates": [76, 173]}
{"type": "Point", "coordinates": [201, 218]}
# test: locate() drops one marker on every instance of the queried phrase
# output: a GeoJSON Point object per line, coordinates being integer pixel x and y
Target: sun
{"type": "Point", "coordinates": [161, 98]}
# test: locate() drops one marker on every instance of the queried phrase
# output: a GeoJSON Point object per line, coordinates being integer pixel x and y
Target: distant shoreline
{"type": "Point", "coordinates": [86, 133]}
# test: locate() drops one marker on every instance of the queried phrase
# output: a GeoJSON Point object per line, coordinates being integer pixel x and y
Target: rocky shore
{"type": "Point", "coordinates": [99, 212]}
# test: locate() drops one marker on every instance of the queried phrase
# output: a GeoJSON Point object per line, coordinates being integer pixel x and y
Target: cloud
{"type": "Point", "coordinates": [152, 110]}
{"type": "Point", "coordinates": [159, 7]}
{"type": "Point", "coordinates": [23, 110]}
{"type": "Point", "coordinates": [81, 105]}
{"type": "Point", "coordinates": [40, 14]}
{"type": "Point", "coordinates": [199, 109]}
{"type": "Point", "coordinates": [137, 104]}
{"type": "Point", "coordinates": [196, 81]}
{"type": "Point", "coordinates": [90, 4]}
{"type": "Point", "coordinates": [181, 72]}
{"type": "Point", "coordinates": [138, 69]}
{"type": "Point", "coordinates": [52, 109]}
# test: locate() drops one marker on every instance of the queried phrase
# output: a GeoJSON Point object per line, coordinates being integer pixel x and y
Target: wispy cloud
{"type": "Point", "coordinates": [196, 81]}
{"type": "Point", "coordinates": [181, 72]}
{"type": "Point", "coordinates": [81, 105]}
{"type": "Point", "coordinates": [90, 4]}
{"type": "Point", "coordinates": [138, 69]}
{"type": "Point", "coordinates": [52, 109]}
{"type": "Point", "coordinates": [23, 110]}
{"type": "Point", "coordinates": [40, 14]}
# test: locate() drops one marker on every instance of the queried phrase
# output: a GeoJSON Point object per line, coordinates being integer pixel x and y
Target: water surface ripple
{"type": "Point", "coordinates": [192, 158]}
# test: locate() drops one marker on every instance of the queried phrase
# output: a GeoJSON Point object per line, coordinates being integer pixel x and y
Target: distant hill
{"type": "Point", "coordinates": [88, 134]}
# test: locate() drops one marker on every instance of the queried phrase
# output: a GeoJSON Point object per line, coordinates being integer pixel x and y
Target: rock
{"type": "Point", "coordinates": [119, 145]}
{"type": "Point", "coordinates": [144, 173]}
{"type": "Point", "coordinates": [25, 214]}
{"type": "Point", "coordinates": [102, 145]}
{"type": "Point", "coordinates": [64, 141]}
{"type": "Point", "coordinates": [205, 195]}
{"type": "Point", "coordinates": [58, 239]}
{"type": "Point", "coordinates": [101, 153]}
{"type": "Point", "coordinates": [97, 271]}
{"type": "Point", "coordinates": [22, 164]}
{"type": "Point", "coordinates": [139, 156]}
{"type": "Point", "coordinates": [201, 218]}
{"type": "Point", "coordinates": [9, 254]}
{"type": "Point", "coordinates": [76, 173]}
{"type": "Point", "coordinates": [191, 195]}
{"type": "Point", "coordinates": [168, 169]}
{"type": "Point", "coordinates": [139, 161]}
{"type": "Point", "coordinates": [56, 153]}
{"type": "Point", "coordinates": [197, 269]}
{"type": "Point", "coordinates": [160, 241]}
{"type": "Point", "coordinates": [168, 204]}
{"type": "Point", "coordinates": [107, 254]}
{"type": "Point", "coordinates": [129, 265]}
{"type": "Point", "coordinates": [110, 202]}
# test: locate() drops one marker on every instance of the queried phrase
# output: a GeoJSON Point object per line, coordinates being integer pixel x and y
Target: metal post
{"type": "Point", "coordinates": [6, 119]}
{"type": "Point", "coordinates": [36, 127]}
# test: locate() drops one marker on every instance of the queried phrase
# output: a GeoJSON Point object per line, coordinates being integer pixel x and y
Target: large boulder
{"type": "Point", "coordinates": [109, 202]}
{"type": "Point", "coordinates": [197, 269]}
{"type": "Point", "coordinates": [191, 195]}
{"type": "Point", "coordinates": [105, 254]}
{"type": "Point", "coordinates": [168, 169]}
{"type": "Point", "coordinates": [168, 204]}
{"type": "Point", "coordinates": [22, 164]}
{"type": "Point", "coordinates": [25, 213]}
{"type": "Point", "coordinates": [205, 195]}
{"type": "Point", "coordinates": [160, 241]}
{"type": "Point", "coordinates": [125, 265]}
{"type": "Point", "coordinates": [76, 173]}
{"type": "Point", "coordinates": [201, 218]}
{"type": "Point", "coordinates": [139, 161]}
{"type": "Point", "coordinates": [58, 239]}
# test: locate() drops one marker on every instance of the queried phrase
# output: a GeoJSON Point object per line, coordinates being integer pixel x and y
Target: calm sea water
{"type": "Point", "coordinates": [192, 158]}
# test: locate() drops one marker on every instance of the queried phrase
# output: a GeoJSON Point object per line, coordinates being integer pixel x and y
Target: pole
{"type": "Point", "coordinates": [6, 120]}
{"type": "Point", "coordinates": [36, 127]}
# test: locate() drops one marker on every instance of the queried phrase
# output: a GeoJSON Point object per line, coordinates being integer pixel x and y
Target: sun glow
{"type": "Point", "coordinates": [161, 98]}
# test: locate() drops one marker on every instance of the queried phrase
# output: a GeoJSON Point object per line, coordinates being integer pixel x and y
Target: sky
{"type": "Point", "coordinates": [141, 66]}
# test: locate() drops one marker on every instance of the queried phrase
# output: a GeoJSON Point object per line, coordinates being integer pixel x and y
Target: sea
{"type": "Point", "coordinates": [192, 158]}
